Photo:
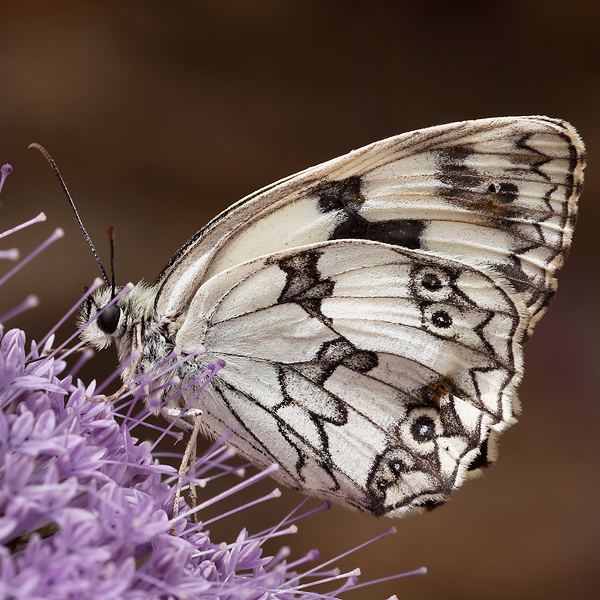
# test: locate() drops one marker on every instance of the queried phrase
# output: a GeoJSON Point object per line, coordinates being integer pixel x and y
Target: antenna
{"type": "Point", "coordinates": [51, 162]}
{"type": "Point", "coordinates": [111, 240]}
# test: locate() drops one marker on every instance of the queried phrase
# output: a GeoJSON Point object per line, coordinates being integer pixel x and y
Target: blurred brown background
{"type": "Point", "coordinates": [162, 114]}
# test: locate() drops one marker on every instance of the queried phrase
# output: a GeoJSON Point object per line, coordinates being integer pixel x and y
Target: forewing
{"type": "Point", "coordinates": [371, 374]}
{"type": "Point", "coordinates": [498, 192]}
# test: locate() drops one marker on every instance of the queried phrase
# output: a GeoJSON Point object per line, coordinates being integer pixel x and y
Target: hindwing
{"type": "Point", "coordinates": [371, 374]}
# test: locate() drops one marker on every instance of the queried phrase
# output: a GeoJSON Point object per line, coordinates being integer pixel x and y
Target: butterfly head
{"type": "Point", "coordinates": [105, 324]}
{"type": "Point", "coordinates": [114, 321]}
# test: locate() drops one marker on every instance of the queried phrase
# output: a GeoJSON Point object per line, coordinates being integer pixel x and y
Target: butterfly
{"type": "Point", "coordinates": [371, 310]}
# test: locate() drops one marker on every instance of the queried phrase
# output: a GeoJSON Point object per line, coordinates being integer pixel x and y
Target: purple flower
{"type": "Point", "coordinates": [86, 509]}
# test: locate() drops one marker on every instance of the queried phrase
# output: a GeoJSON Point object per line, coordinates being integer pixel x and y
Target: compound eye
{"type": "Point", "coordinates": [108, 321]}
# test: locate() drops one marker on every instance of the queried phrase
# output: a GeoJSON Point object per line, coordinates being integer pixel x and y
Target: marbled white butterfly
{"type": "Point", "coordinates": [371, 310]}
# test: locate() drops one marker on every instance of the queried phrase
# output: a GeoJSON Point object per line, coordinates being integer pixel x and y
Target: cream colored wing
{"type": "Point", "coordinates": [501, 192]}
{"type": "Point", "coordinates": [371, 374]}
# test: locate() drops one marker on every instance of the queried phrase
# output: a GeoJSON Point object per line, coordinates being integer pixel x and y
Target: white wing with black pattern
{"type": "Point", "coordinates": [497, 191]}
{"type": "Point", "coordinates": [372, 375]}
{"type": "Point", "coordinates": [371, 310]}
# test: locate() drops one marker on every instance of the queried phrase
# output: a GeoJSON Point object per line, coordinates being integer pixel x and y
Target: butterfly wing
{"type": "Point", "coordinates": [371, 374]}
{"type": "Point", "coordinates": [500, 192]}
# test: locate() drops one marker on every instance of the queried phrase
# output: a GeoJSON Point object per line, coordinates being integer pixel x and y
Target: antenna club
{"type": "Point", "coordinates": [44, 153]}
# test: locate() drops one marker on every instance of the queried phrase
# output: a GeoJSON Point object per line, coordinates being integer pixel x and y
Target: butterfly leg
{"type": "Point", "coordinates": [193, 443]}
{"type": "Point", "coordinates": [189, 458]}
